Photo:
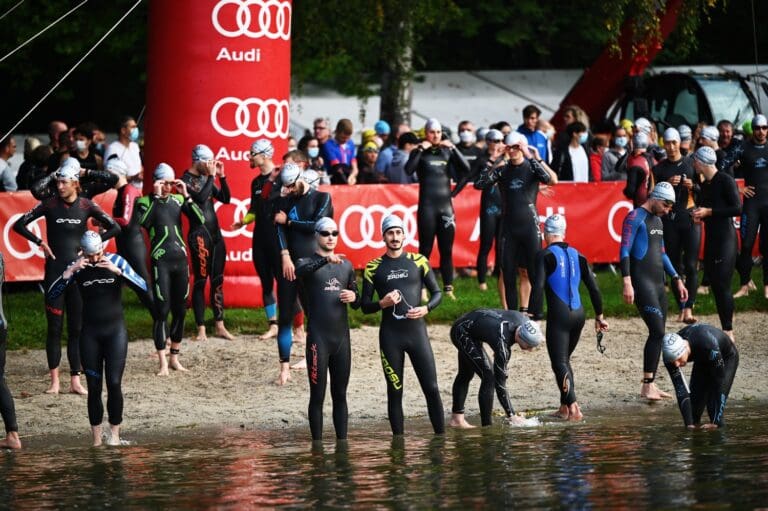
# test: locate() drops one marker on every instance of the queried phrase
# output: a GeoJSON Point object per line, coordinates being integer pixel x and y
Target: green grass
{"type": "Point", "coordinates": [27, 326]}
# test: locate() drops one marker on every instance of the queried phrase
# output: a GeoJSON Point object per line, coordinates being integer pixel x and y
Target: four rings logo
{"type": "Point", "coordinates": [31, 249]}
{"type": "Point", "coordinates": [253, 18]}
{"type": "Point", "coordinates": [241, 208]}
{"type": "Point", "coordinates": [250, 117]}
{"type": "Point", "coordinates": [360, 226]}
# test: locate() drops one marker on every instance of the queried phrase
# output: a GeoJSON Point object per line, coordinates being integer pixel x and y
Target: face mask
{"type": "Point", "coordinates": [100, 147]}
{"type": "Point", "coordinates": [466, 137]}
{"type": "Point", "coordinates": [134, 134]}
{"type": "Point", "coordinates": [583, 138]}
{"type": "Point", "coordinates": [81, 145]}
{"type": "Point", "coordinates": [621, 141]}
{"type": "Point", "coordinates": [313, 152]}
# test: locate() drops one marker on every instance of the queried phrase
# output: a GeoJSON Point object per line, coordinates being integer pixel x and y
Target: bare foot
{"type": "Point", "coordinates": [163, 363]}
{"type": "Point", "coordinates": [12, 441]}
{"type": "Point", "coordinates": [458, 421]}
{"type": "Point", "coordinates": [163, 371]}
{"type": "Point", "coordinates": [751, 285]}
{"type": "Point", "coordinates": [483, 286]}
{"type": "Point", "coordinates": [114, 436]}
{"type": "Point", "coordinates": [285, 374]}
{"type": "Point", "coordinates": [301, 364]}
{"type": "Point", "coordinates": [574, 411]}
{"type": "Point", "coordinates": [651, 393]}
{"type": "Point", "coordinates": [201, 334]}
{"type": "Point", "coordinates": [729, 333]}
{"type": "Point", "coordinates": [53, 389]}
{"type": "Point", "coordinates": [449, 294]}
{"type": "Point", "coordinates": [76, 387]}
{"type": "Point", "coordinates": [96, 430]}
{"type": "Point", "coordinates": [222, 332]}
{"type": "Point", "coordinates": [702, 290]}
{"type": "Point", "coordinates": [743, 291]}
{"type": "Point", "coordinates": [269, 334]}
{"type": "Point", "coordinates": [562, 412]}
{"type": "Point", "coordinates": [680, 317]}
{"type": "Point", "coordinates": [174, 364]}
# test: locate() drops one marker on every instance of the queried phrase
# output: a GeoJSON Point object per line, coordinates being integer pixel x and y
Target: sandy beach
{"type": "Point", "coordinates": [231, 383]}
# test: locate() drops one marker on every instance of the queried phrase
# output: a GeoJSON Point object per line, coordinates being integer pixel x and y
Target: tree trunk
{"type": "Point", "coordinates": [397, 76]}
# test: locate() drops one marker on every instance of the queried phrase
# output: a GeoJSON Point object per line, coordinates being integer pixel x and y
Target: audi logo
{"type": "Point", "coordinates": [251, 117]}
{"type": "Point", "coordinates": [241, 208]}
{"type": "Point", "coordinates": [272, 19]}
{"type": "Point", "coordinates": [31, 249]}
{"type": "Point", "coordinates": [368, 221]}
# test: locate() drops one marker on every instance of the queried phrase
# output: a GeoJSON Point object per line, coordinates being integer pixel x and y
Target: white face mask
{"type": "Point", "coordinates": [466, 137]}
{"type": "Point", "coordinates": [81, 145]}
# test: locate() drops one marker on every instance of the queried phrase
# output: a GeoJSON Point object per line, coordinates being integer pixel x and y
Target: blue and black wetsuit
{"type": "Point", "coordinates": [754, 213]}
{"type": "Point", "coordinates": [715, 360]}
{"type": "Point", "coordinates": [328, 349]}
{"type": "Point", "coordinates": [559, 270]}
{"type": "Point", "coordinates": [65, 224]}
{"type": "Point", "coordinates": [7, 408]}
{"type": "Point", "coordinates": [399, 335]}
{"type": "Point", "coordinates": [643, 259]}
{"type": "Point", "coordinates": [496, 327]}
{"type": "Point", "coordinates": [104, 339]}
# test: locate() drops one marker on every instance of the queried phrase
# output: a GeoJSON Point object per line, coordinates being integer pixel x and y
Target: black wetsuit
{"type": "Point", "coordinates": [297, 236]}
{"type": "Point", "coordinates": [104, 339]}
{"type": "Point", "coordinates": [328, 349]}
{"type": "Point", "coordinates": [7, 408]}
{"type": "Point", "coordinates": [161, 217]}
{"type": "Point", "coordinates": [682, 237]}
{"type": "Point", "coordinates": [715, 360]}
{"type": "Point", "coordinates": [520, 234]}
{"type": "Point", "coordinates": [722, 195]}
{"type": "Point", "coordinates": [65, 224]}
{"type": "Point", "coordinates": [92, 184]}
{"type": "Point", "coordinates": [754, 213]}
{"type": "Point", "coordinates": [399, 335]}
{"type": "Point", "coordinates": [206, 245]}
{"type": "Point", "coordinates": [643, 259]}
{"type": "Point", "coordinates": [497, 329]}
{"type": "Point", "coordinates": [559, 270]}
{"type": "Point", "coordinates": [435, 216]}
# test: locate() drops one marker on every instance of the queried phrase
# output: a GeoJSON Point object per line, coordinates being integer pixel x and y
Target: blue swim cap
{"type": "Point", "coordinates": [381, 127]}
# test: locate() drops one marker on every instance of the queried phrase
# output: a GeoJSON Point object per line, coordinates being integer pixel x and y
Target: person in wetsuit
{"type": "Point", "coordinates": [206, 244]}
{"type": "Point", "coordinates": [643, 263]}
{"type": "Point", "coordinates": [560, 269]}
{"type": "Point", "coordinates": [682, 236]}
{"type": "Point", "coordinates": [431, 161]}
{"type": "Point", "coordinates": [518, 178]}
{"type": "Point", "coordinates": [296, 215]}
{"type": "Point", "coordinates": [328, 285]}
{"type": "Point", "coordinates": [719, 204]}
{"type": "Point", "coordinates": [160, 214]}
{"type": "Point", "coordinates": [7, 408]}
{"type": "Point", "coordinates": [500, 329]}
{"type": "Point", "coordinates": [104, 339]}
{"type": "Point", "coordinates": [397, 278]}
{"type": "Point", "coordinates": [753, 163]}
{"type": "Point", "coordinates": [715, 359]}
{"type": "Point", "coordinates": [66, 218]}
{"type": "Point", "coordinates": [92, 182]}
{"type": "Point", "coordinates": [266, 254]}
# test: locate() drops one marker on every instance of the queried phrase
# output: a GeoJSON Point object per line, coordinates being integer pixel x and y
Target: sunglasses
{"type": "Point", "coordinates": [254, 154]}
{"type": "Point", "coordinates": [515, 147]}
{"type": "Point", "coordinates": [760, 128]}
{"type": "Point", "coordinates": [669, 203]}
{"type": "Point", "coordinates": [325, 234]}
{"type": "Point", "coordinates": [492, 141]}
{"type": "Point", "coordinates": [317, 128]}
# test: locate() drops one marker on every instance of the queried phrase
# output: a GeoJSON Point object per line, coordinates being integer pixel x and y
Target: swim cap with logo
{"type": "Point", "coordinates": [165, 172]}
{"type": "Point", "coordinates": [663, 191]}
{"type": "Point", "coordinates": [705, 155]}
{"type": "Point", "coordinates": [672, 346]}
{"type": "Point", "coordinates": [263, 146]}
{"type": "Point", "coordinates": [685, 132]}
{"type": "Point", "coordinates": [289, 174]}
{"type": "Point", "coordinates": [392, 222]}
{"type": "Point", "coordinates": [91, 243]}
{"type": "Point", "coordinates": [671, 134]}
{"type": "Point", "coordinates": [530, 333]}
{"type": "Point", "coordinates": [641, 140]}
{"type": "Point", "coordinates": [759, 120]}
{"type": "Point", "coordinates": [555, 224]}
{"type": "Point", "coordinates": [515, 138]}
{"type": "Point", "coordinates": [326, 224]}
{"type": "Point", "coordinates": [70, 170]}
{"type": "Point", "coordinates": [710, 133]}
{"type": "Point", "coordinates": [311, 177]}
{"type": "Point", "coordinates": [117, 166]}
{"type": "Point", "coordinates": [201, 152]}
{"type": "Point", "coordinates": [643, 125]}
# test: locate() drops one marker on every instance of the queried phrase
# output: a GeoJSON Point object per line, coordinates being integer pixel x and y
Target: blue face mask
{"type": "Point", "coordinates": [134, 134]}
{"type": "Point", "coordinates": [621, 141]}
{"type": "Point", "coordinates": [313, 152]}
{"type": "Point", "coordinates": [583, 138]}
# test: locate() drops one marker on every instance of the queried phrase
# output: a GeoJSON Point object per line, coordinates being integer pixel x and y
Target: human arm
{"type": "Point", "coordinates": [414, 158]}
{"type": "Point", "coordinates": [682, 393]}
{"type": "Point", "coordinates": [108, 224]}
{"type": "Point", "coordinates": [20, 227]}
{"type": "Point", "coordinates": [429, 281]}
{"type": "Point", "coordinates": [542, 171]}
{"type": "Point", "coordinates": [44, 187]}
{"type": "Point", "coordinates": [205, 192]}
{"type": "Point", "coordinates": [500, 362]}
{"type": "Point", "coordinates": [309, 265]}
{"type": "Point", "coordinates": [588, 278]}
{"type": "Point", "coordinates": [630, 227]}
{"type": "Point", "coordinates": [456, 159]}
{"type": "Point", "coordinates": [57, 288]}
{"type": "Point", "coordinates": [491, 173]}
{"type": "Point", "coordinates": [543, 269]}
{"type": "Point", "coordinates": [222, 192]}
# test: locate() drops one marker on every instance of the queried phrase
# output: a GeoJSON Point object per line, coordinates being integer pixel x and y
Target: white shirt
{"type": "Point", "coordinates": [7, 176]}
{"type": "Point", "coordinates": [129, 155]}
{"type": "Point", "coordinates": [580, 164]}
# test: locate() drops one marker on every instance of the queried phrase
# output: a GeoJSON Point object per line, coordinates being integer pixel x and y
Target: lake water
{"type": "Point", "coordinates": [636, 457]}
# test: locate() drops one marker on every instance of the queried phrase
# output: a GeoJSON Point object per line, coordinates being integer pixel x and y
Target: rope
{"type": "Point", "coordinates": [11, 9]}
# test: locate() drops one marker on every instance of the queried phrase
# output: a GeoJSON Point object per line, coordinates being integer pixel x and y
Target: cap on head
{"type": "Point", "coordinates": [671, 135]}
{"type": "Point", "coordinates": [685, 132]}
{"type": "Point", "coordinates": [482, 133]}
{"type": "Point", "coordinates": [91, 243]}
{"type": "Point", "coordinates": [641, 140]}
{"type": "Point", "coordinates": [643, 124]}
{"type": "Point", "coordinates": [201, 152]}
{"type": "Point", "coordinates": [433, 124]}
{"type": "Point", "coordinates": [515, 138]}
{"type": "Point", "coordinates": [263, 146]}
{"type": "Point", "coordinates": [311, 177]}
{"type": "Point", "coordinates": [289, 174]}
{"type": "Point", "coordinates": [117, 166]}
{"type": "Point", "coordinates": [326, 223]}
{"type": "Point", "coordinates": [382, 127]}
{"type": "Point", "coordinates": [370, 147]}
{"type": "Point", "coordinates": [555, 225]}
{"type": "Point", "coordinates": [368, 135]}
{"type": "Point", "coordinates": [672, 347]}
{"type": "Point", "coordinates": [759, 120]}
{"type": "Point", "coordinates": [705, 155]}
{"type": "Point", "coordinates": [164, 171]}
{"type": "Point", "coordinates": [392, 222]}
{"type": "Point", "coordinates": [69, 170]}
{"type": "Point", "coordinates": [530, 333]}
{"type": "Point", "coordinates": [494, 135]}
{"type": "Point", "coordinates": [710, 133]}
{"type": "Point", "coordinates": [626, 124]}
{"type": "Point", "coordinates": [663, 191]}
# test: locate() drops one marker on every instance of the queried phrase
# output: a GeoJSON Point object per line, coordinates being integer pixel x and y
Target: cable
{"type": "Point", "coordinates": [757, 67]}
{"type": "Point", "coordinates": [72, 69]}
{"type": "Point", "coordinates": [22, 45]}
{"type": "Point", "coordinates": [11, 9]}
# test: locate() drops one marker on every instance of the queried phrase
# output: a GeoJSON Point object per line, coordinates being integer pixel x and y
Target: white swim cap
{"type": "Point", "coordinates": [663, 191]}
{"type": "Point", "coordinates": [710, 133]}
{"type": "Point", "coordinates": [289, 174]}
{"type": "Point", "coordinates": [91, 243]}
{"type": "Point", "coordinates": [164, 171]}
{"type": "Point", "coordinates": [326, 224]}
{"type": "Point", "coordinates": [643, 125]}
{"type": "Point", "coordinates": [672, 346]}
{"type": "Point", "coordinates": [201, 152]}
{"type": "Point", "coordinates": [705, 155]}
{"type": "Point", "coordinates": [641, 140]}
{"type": "Point", "coordinates": [515, 138]}
{"type": "Point", "coordinates": [433, 124]}
{"type": "Point", "coordinates": [555, 224]}
{"type": "Point", "coordinates": [70, 170]}
{"type": "Point", "coordinates": [117, 167]}
{"type": "Point", "coordinates": [671, 134]}
{"type": "Point", "coordinates": [759, 120]}
{"type": "Point", "coordinates": [262, 146]}
{"type": "Point", "coordinates": [392, 222]}
{"type": "Point", "coordinates": [311, 177]}
{"type": "Point", "coordinates": [685, 132]}
{"type": "Point", "coordinates": [530, 333]}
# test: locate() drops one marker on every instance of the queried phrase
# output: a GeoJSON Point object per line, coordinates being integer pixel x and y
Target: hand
{"type": "Point", "coordinates": [236, 225]}
{"type": "Point", "coordinates": [289, 270]}
{"type": "Point", "coordinates": [347, 296]}
{"type": "Point", "coordinates": [78, 265]}
{"type": "Point", "coordinates": [281, 218]}
{"type": "Point", "coordinates": [700, 214]}
{"type": "Point", "coordinates": [546, 190]}
{"type": "Point", "coordinates": [417, 312]}
{"type": "Point", "coordinates": [390, 299]}
{"type": "Point", "coordinates": [749, 191]}
{"type": "Point", "coordinates": [334, 259]}
{"type": "Point", "coordinates": [674, 180]}
{"type": "Point", "coordinates": [181, 186]}
{"type": "Point", "coordinates": [687, 183]}
{"type": "Point", "coordinates": [352, 179]}
{"type": "Point", "coordinates": [107, 264]}
{"type": "Point", "coordinates": [157, 187]}
{"type": "Point", "coordinates": [47, 250]}
{"type": "Point", "coordinates": [682, 290]}
{"type": "Point", "coordinates": [628, 292]}
{"type": "Point", "coordinates": [601, 325]}
{"type": "Point", "coordinates": [210, 167]}
{"type": "Point", "coordinates": [425, 144]}
{"type": "Point", "coordinates": [219, 166]}
{"type": "Point", "coordinates": [446, 143]}
{"type": "Point", "coordinates": [531, 152]}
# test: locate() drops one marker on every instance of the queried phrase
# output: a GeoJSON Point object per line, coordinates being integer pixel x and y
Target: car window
{"type": "Point", "coordinates": [726, 99]}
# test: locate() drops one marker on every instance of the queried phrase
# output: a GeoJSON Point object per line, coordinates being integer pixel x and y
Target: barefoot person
{"type": "Point", "coordinates": [328, 283]}
{"type": "Point", "coordinates": [715, 359]}
{"type": "Point", "coordinates": [500, 329]}
{"type": "Point", "coordinates": [160, 214]}
{"type": "Point", "coordinates": [643, 263]}
{"type": "Point", "coordinates": [7, 409]}
{"type": "Point", "coordinates": [66, 217]}
{"type": "Point", "coordinates": [559, 271]}
{"type": "Point", "coordinates": [104, 339]}
{"type": "Point", "coordinates": [206, 244]}
{"type": "Point", "coordinates": [397, 278]}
